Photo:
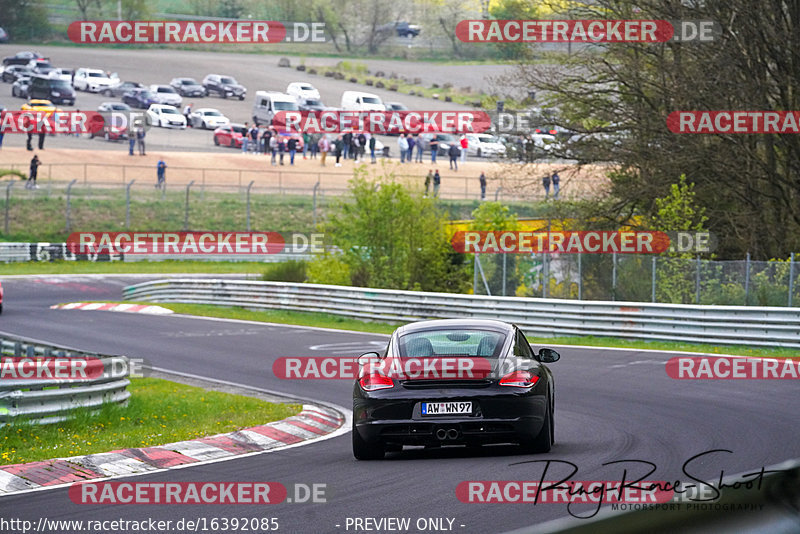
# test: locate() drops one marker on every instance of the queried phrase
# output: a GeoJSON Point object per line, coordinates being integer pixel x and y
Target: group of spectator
{"type": "Point", "coordinates": [406, 143]}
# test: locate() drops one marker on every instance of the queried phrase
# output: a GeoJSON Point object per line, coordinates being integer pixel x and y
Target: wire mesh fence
{"type": "Point", "coordinates": [639, 278]}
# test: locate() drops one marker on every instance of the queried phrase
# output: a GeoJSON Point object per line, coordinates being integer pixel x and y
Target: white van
{"type": "Point", "coordinates": [268, 103]}
{"type": "Point", "coordinates": [358, 101]}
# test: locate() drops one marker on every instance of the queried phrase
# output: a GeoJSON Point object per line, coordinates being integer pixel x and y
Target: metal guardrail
{"type": "Point", "coordinates": [729, 325]}
{"type": "Point", "coordinates": [51, 400]}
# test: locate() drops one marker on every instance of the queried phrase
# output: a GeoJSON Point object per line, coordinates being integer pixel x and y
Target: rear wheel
{"type": "Point", "coordinates": [363, 450]}
{"type": "Point", "coordinates": [216, 140]}
{"type": "Point", "coordinates": [543, 441]}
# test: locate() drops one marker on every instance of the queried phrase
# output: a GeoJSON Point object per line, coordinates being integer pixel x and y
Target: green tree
{"type": "Point", "coordinates": [392, 237]}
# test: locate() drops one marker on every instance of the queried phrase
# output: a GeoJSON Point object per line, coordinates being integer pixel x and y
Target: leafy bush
{"type": "Point", "coordinates": [287, 271]}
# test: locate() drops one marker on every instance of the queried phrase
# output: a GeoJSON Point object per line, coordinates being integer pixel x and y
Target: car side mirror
{"type": "Point", "coordinates": [548, 356]}
{"type": "Point", "coordinates": [368, 358]}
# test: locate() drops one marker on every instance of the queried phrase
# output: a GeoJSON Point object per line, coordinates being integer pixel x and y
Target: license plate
{"type": "Point", "coordinates": [446, 408]}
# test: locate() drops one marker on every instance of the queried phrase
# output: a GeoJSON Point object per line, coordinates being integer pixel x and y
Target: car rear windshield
{"type": "Point", "coordinates": [96, 75]}
{"type": "Point", "coordinates": [188, 82]}
{"type": "Point", "coordinates": [212, 114]}
{"type": "Point", "coordinates": [452, 342]}
{"type": "Point", "coordinates": [226, 79]}
{"type": "Point", "coordinates": [61, 84]}
{"type": "Point", "coordinates": [240, 129]}
{"type": "Point", "coordinates": [171, 111]}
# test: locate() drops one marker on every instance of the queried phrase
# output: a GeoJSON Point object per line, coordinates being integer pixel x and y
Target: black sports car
{"type": "Point", "coordinates": [453, 382]}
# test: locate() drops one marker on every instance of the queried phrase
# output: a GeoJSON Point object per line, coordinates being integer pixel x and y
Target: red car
{"type": "Point", "coordinates": [230, 135]}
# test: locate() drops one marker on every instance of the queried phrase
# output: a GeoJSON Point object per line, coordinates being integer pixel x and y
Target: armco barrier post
{"type": "Point", "coordinates": [653, 282]}
{"type": "Point", "coordinates": [248, 203]}
{"type": "Point", "coordinates": [8, 200]}
{"type": "Point", "coordinates": [186, 211]}
{"type": "Point", "coordinates": [613, 276]}
{"type": "Point", "coordinates": [747, 281]}
{"type": "Point", "coordinates": [791, 276]}
{"type": "Point", "coordinates": [67, 214]}
{"type": "Point", "coordinates": [128, 204]}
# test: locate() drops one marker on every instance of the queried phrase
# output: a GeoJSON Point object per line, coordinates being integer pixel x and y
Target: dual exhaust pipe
{"type": "Point", "coordinates": [443, 434]}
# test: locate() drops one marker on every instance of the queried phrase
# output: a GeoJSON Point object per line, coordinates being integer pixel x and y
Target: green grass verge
{"type": "Point", "coordinates": [168, 266]}
{"type": "Point", "coordinates": [158, 412]}
{"type": "Point", "coordinates": [323, 320]}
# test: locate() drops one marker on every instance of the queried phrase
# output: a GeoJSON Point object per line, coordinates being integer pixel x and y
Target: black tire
{"type": "Point", "coordinates": [107, 92]}
{"type": "Point", "coordinates": [543, 441]}
{"type": "Point", "coordinates": [363, 450]}
{"type": "Point", "coordinates": [1, 309]}
{"type": "Point", "coordinates": [216, 140]}
{"type": "Point", "coordinates": [479, 152]}
{"type": "Point", "coordinates": [241, 97]}
{"type": "Point", "coordinates": [233, 143]}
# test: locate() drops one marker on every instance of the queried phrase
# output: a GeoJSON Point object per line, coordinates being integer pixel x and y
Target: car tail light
{"type": "Point", "coordinates": [519, 379]}
{"type": "Point", "coordinates": [553, 132]}
{"type": "Point", "coordinates": [375, 381]}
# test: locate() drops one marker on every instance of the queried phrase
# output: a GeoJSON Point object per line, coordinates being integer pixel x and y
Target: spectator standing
{"type": "Point", "coordinates": [306, 142]}
{"type": "Point", "coordinates": [245, 139]}
{"type": "Point", "coordinates": [161, 170]}
{"type": "Point", "coordinates": [324, 147]}
{"type": "Point", "coordinates": [140, 140]}
{"type": "Point", "coordinates": [464, 145]}
{"type": "Point", "coordinates": [339, 145]}
{"type": "Point", "coordinates": [483, 186]}
{"type": "Point", "coordinates": [556, 185]}
{"type": "Point", "coordinates": [453, 153]}
{"type": "Point", "coordinates": [546, 185]}
{"type": "Point", "coordinates": [362, 145]}
{"type": "Point", "coordinates": [273, 147]}
{"type": "Point", "coordinates": [253, 133]}
{"type": "Point", "coordinates": [187, 110]}
{"type": "Point", "coordinates": [372, 147]}
{"type": "Point", "coordinates": [355, 147]}
{"type": "Point", "coordinates": [347, 140]}
{"type": "Point", "coordinates": [314, 148]}
{"type": "Point", "coordinates": [34, 171]}
{"type": "Point", "coordinates": [428, 180]}
{"type": "Point", "coordinates": [266, 136]}
{"type": "Point", "coordinates": [292, 146]}
{"type": "Point", "coordinates": [42, 135]}
{"type": "Point", "coordinates": [131, 141]}
{"type": "Point", "coordinates": [411, 145]}
{"type": "Point", "coordinates": [281, 148]}
{"type": "Point", "coordinates": [437, 180]}
{"type": "Point", "coordinates": [402, 145]}
{"type": "Point", "coordinates": [434, 146]}
{"type": "Point", "coordinates": [420, 148]}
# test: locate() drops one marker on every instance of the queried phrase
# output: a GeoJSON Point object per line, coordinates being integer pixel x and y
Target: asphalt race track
{"type": "Point", "coordinates": [610, 405]}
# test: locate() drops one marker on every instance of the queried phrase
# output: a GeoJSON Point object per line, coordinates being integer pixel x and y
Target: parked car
{"type": "Point", "coordinates": [484, 145]}
{"type": "Point", "coordinates": [224, 86]}
{"type": "Point", "coordinates": [116, 118]}
{"type": "Point", "coordinates": [39, 105]}
{"type": "Point", "coordinates": [413, 395]}
{"type": "Point", "coordinates": [166, 116]}
{"type": "Point", "coordinates": [121, 88]}
{"type": "Point", "coordinates": [93, 80]}
{"type": "Point", "coordinates": [445, 140]}
{"type": "Point", "coordinates": [395, 106]}
{"type": "Point", "coordinates": [40, 63]}
{"type": "Point", "coordinates": [118, 107]}
{"type": "Point", "coordinates": [207, 118]}
{"type": "Point", "coordinates": [21, 87]}
{"type": "Point", "coordinates": [268, 103]}
{"type": "Point", "coordinates": [12, 72]}
{"type": "Point", "coordinates": [3, 39]}
{"type": "Point", "coordinates": [54, 89]}
{"type": "Point", "coordinates": [360, 101]}
{"type": "Point", "coordinates": [401, 28]}
{"type": "Point", "coordinates": [311, 104]}
{"type": "Point", "coordinates": [302, 91]}
{"type": "Point", "coordinates": [166, 95]}
{"type": "Point", "coordinates": [188, 87]}
{"type": "Point", "coordinates": [230, 135]}
{"type": "Point", "coordinates": [21, 58]}
{"type": "Point", "coordinates": [139, 98]}
{"type": "Point", "coordinates": [62, 74]}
